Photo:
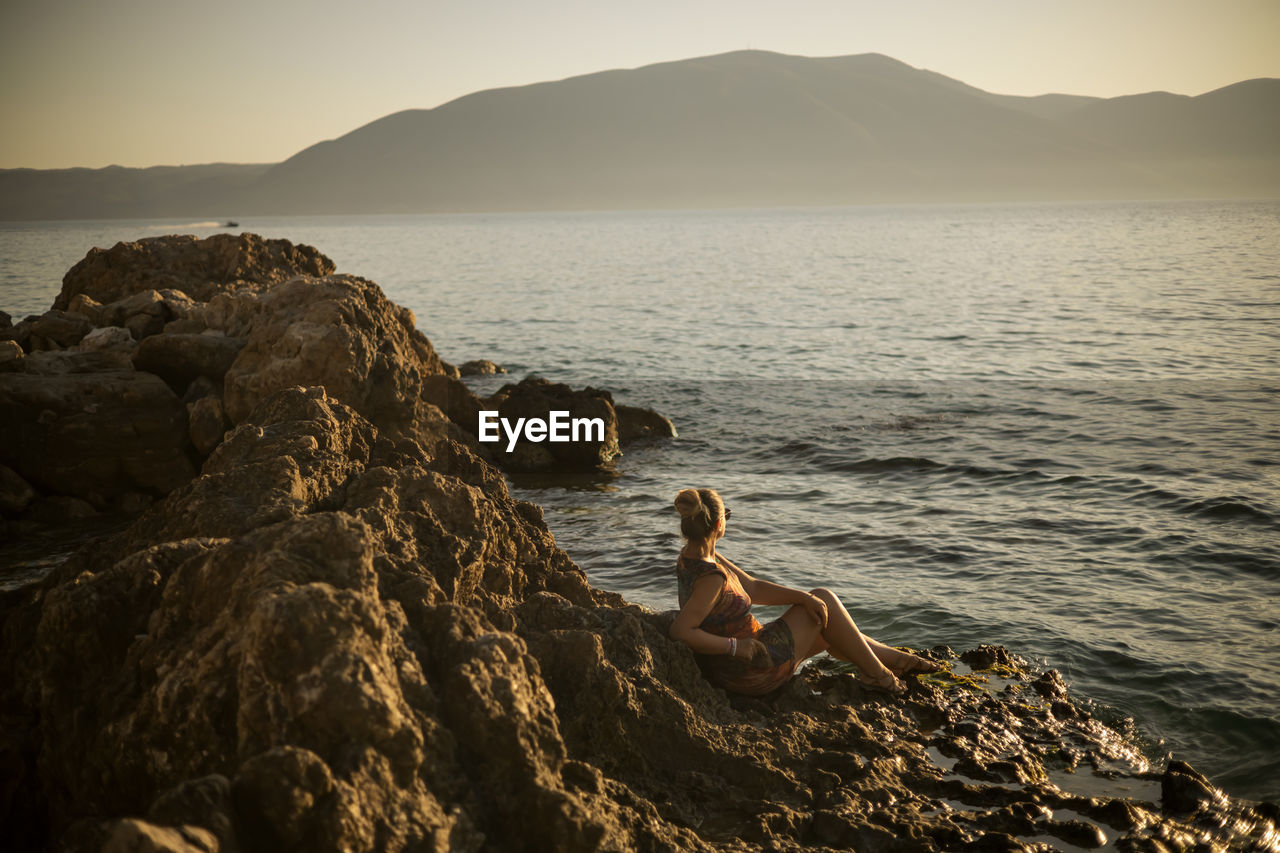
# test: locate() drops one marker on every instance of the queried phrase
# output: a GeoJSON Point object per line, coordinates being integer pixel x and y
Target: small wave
{"type": "Point", "coordinates": [171, 228]}
{"type": "Point", "coordinates": [890, 465]}
{"type": "Point", "coordinates": [1231, 508]}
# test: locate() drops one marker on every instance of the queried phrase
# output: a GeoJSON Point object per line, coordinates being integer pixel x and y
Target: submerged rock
{"type": "Point", "coordinates": [480, 367]}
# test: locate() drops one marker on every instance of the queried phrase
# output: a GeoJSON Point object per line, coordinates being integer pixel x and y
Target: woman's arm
{"type": "Point", "coordinates": [767, 592]}
{"type": "Point", "coordinates": [685, 627]}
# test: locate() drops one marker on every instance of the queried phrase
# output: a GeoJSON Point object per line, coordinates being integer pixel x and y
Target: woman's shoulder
{"type": "Point", "coordinates": [692, 568]}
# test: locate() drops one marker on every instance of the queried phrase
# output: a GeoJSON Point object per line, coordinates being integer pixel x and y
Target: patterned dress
{"type": "Point", "coordinates": [730, 616]}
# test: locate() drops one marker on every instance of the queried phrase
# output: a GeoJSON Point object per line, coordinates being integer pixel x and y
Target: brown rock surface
{"type": "Point", "coordinates": [179, 359]}
{"type": "Point", "coordinates": [636, 422]}
{"type": "Point", "coordinates": [95, 435]}
{"type": "Point", "coordinates": [480, 367]}
{"type": "Point", "coordinates": [338, 331]}
{"type": "Point", "coordinates": [198, 268]}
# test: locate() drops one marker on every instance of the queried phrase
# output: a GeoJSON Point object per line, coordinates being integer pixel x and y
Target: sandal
{"type": "Point", "coordinates": [887, 683]}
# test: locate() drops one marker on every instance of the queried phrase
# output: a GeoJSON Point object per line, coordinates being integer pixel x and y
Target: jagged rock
{"type": "Point", "coordinates": [985, 657]}
{"type": "Point", "coordinates": [455, 400]}
{"type": "Point", "coordinates": [636, 422]}
{"type": "Point", "coordinates": [340, 332]}
{"type": "Point", "coordinates": [535, 397]}
{"type": "Point", "coordinates": [480, 367]}
{"type": "Point", "coordinates": [198, 268]}
{"type": "Point", "coordinates": [1183, 790]}
{"type": "Point", "coordinates": [94, 435]}
{"type": "Point", "coordinates": [179, 359]}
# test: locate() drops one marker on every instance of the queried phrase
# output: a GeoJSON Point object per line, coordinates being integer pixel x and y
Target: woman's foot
{"type": "Point", "coordinates": [885, 682]}
{"type": "Point", "coordinates": [909, 663]}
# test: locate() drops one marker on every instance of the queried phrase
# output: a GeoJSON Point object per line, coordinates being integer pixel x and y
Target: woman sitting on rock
{"type": "Point", "coordinates": [737, 652]}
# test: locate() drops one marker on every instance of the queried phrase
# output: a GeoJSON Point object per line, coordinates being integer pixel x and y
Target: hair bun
{"type": "Point", "coordinates": [688, 503]}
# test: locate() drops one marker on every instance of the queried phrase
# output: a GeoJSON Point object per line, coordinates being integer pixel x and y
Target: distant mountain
{"type": "Point", "coordinates": [214, 191]}
{"type": "Point", "coordinates": [743, 128]}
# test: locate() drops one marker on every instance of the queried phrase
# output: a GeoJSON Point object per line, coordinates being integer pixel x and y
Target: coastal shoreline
{"type": "Point", "coordinates": [343, 632]}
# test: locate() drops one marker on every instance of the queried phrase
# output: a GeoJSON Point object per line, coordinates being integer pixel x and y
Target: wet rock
{"type": "Point", "coordinates": [480, 367]}
{"type": "Point", "coordinates": [1050, 686]}
{"type": "Point", "coordinates": [1183, 790]}
{"type": "Point", "coordinates": [1121, 815]}
{"type": "Point", "coordinates": [535, 397]}
{"type": "Point", "coordinates": [198, 268]}
{"type": "Point", "coordinates": [986, 657]}
{"type": "Point", "coordinates": [1140, 844]}
{"type": "Point", "coordinates": [635, 422]}
{"type": "Point", "coordinates": [1080, 833]}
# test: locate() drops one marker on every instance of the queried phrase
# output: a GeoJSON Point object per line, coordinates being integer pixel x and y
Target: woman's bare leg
{"type": "Point", "coordinates": [841, 637]}
{"type": "Point", "coordinates": [896, 661]}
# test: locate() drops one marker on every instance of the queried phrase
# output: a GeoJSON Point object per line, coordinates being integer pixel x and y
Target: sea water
{"type": "Point", "coordinates": [1052, 427]}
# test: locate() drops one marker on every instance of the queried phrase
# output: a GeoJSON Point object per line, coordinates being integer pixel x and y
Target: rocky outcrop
{"type": "Point", "coordinates": [337, 640]}
{"type": "Point", "coordinates": [535, 398]}
{"type": "Point", "coordinates": [199, 268]}
{"type": "Point", "coordinates": [343, 633]}
{"type": "Point", "coordinates": [156, 348]}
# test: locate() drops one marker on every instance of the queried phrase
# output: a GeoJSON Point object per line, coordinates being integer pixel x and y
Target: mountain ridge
{"type": "Point", "coordinates": [751, 127]}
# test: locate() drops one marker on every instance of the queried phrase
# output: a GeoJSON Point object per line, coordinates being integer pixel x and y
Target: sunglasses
{"type": "Point", "coordinates": [727, 512]}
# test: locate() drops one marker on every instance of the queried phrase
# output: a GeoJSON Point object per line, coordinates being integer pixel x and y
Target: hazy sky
{"type": "Point", "coordinates": [145, 82]}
